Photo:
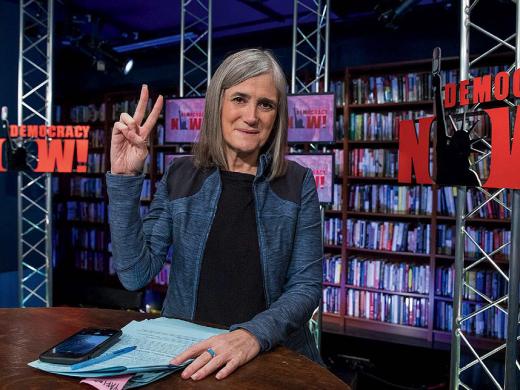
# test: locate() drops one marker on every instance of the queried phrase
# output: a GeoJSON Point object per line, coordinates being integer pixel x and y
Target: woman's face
{"type": "Point", "coordinates": [248, 115]}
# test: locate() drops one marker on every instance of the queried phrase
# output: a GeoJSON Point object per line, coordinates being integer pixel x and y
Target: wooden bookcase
{"type": "Point", "coordinates": [428, 336]}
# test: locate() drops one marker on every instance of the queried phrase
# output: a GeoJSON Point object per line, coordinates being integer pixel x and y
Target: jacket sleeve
{"type": "Point", "coordinates": [139, 246]}
{"type": "Point", "coordinates": [302, 288]}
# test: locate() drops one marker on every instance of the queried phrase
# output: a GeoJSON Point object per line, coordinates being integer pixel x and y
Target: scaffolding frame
{"type": "Point", "coordinates": [34, 189]}
{"type": "Point", "coordinates": [310, 48]}
{"type": "Point", "coordinates": [195, 73]}
{"type": "Point", "coordinates": [310, 52]}
{"type": "Point", "coordinates": [507, 304]}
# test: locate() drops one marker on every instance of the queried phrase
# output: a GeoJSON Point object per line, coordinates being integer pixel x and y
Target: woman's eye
{"type": "Point", "coordinates": [266, 106]}
{"type": "Point", "coordinates": [238, 99]}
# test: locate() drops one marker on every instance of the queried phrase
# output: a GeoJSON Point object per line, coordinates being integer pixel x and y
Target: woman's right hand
{"type": "Point", "coordinates": [129, 145]}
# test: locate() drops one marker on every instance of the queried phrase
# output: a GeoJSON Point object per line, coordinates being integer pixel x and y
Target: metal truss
{"type": "Point", "coordinates": [310, 49]}
{"type": "Point", "coordinates": [195, 65]}
{"type": "Point", "coordinates": [507, 304]}
{"type": "Point", "coordinates": [34, 189]}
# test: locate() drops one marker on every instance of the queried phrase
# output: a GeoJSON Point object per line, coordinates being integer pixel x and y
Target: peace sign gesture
{"type": "Point", "coordinates": [128, 148]}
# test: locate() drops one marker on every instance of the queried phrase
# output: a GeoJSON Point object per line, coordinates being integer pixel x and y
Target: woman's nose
{"type": "Point", "coordinates": [249, 115]}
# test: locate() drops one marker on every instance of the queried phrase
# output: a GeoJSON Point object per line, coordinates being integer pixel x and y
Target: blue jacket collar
{"type": "Point", "coordinates": [264, 163]}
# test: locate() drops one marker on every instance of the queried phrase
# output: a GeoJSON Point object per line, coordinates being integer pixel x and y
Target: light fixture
{"type": "Point", "coordinates": [153, 42]}
{"type": "Point", "coordinates": [128, 66]}
{"type": "Point", "coordinates": [104, 59]}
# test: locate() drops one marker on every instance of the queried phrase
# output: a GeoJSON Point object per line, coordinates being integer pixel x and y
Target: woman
{"type": "Point", "coordinates": [244, 222]}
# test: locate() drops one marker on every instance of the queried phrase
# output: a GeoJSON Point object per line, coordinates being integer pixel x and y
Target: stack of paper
{"type": "Point", "coordinates": [157, 341]}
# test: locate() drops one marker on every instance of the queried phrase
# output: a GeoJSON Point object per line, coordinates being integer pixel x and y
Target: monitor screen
{"type": "Point", "coordinates": [322, 166]}
{"type": "Point", "coordinates": [311, 118]}
{"type": "Point", "coordinates": [183, 118]}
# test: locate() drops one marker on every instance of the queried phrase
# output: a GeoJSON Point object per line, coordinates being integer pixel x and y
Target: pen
{"type": "Point", "coordinates": [102, 358]}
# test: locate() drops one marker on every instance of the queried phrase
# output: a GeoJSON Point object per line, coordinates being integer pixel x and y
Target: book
{"type": "Point", "coordinates": [490, 323]}
{"type": "Point", "coordinates": [388, 236]}
{"type": "Point", "coordinates": [388, 275]}
{"type": "Point", "coordinates": [395, 309]}
{"type": "Point", "coordinates": [390, 199]}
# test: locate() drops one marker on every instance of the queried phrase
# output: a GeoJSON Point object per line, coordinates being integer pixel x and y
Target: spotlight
{"type": "Point", "coordinates": [128, 66]}
{"type": "Point", "coordinates": [104, 58]}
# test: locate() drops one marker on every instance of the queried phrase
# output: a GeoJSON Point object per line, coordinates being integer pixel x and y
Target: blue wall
{"type": "Point", "coordinates": [9, 16]}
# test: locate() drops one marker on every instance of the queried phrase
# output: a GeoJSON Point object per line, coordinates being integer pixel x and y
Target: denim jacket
{"type": "Point", "coordinates": [181, 214]}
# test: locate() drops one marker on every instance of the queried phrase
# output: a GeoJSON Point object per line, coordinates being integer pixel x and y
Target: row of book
{"type": "Point", "coordinates": [159, 134]}
{"type": "Point", "coordinates": [488, 282]}
{"type": "Point", "coordinates": [337, 197]}
{"type": "Point", "coordinates": [389, 276]}
{"type": "Point", "coordinates": [482, 168]}
{"type": "Point", "coordinates": [388, 236]}
{"type": "Point", "coordinates": [331, 300]}
{"type": "Point", "coordinates": [409, 87]}
{"type": "Point", "coordinates": [373, 162]}
{"type": "Point", "coordinates": [332, 268]}
{"type": "Point", "coordinates": [377, 126]}
{"type": "Point", "coordinates": [490, 323]}
{"type": "Point", "coordinates": [91, 239]}
{"type": "Point", "coordinates": [159, 167]}
{"type": "Point", "coordinates": [338, 161]}
{"type": "Point", "coordinates": [445, 239]}
{"type": "Point", "coordinates": [393, 199]}
{"type": "Point", "coordinates": [447, 200]}
{"type": "Point", "coordinates": [88, 113]}
{"type": "Point", "coordinates": [339, 129]}
{"type": "Point", "coordinates": [96, 163]}
{"type": "Point", "coordinates": [332, 234]}
{"type": "Point", "coordinates": [395, 309]}
{"type": "Point", "coordinates": [80, 211]}
{"type": "Point", "coordinates": [86, 186]}
{"type": "Point", "coordinates": [338, 89]}
{"type": "Point", "coordinates": [89, 260]}
{"type": "Point", "coordinates": [96, 138]}
{"type": "Point", "coordinates": [488, 239]}
{"type": "Point", "coordinates": [127, 106]}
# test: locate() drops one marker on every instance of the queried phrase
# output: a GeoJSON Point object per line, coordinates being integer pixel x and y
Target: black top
{"type": "Point", "coordinates": [231, 287]}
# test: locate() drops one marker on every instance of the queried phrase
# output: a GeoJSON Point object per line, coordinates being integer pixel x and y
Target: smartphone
{"type": "Point", "coordinates": [83, 345]}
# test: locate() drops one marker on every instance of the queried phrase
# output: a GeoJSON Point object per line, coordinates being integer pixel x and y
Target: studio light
{"type": "Point", "coordinates": [128, 66]}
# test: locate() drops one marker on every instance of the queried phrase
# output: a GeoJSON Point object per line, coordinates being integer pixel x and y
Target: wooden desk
{"type": "Point", "coordinates": [25, 333]}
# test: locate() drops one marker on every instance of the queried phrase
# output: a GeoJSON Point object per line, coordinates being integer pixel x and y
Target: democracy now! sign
{"type": "Point", "coordinates": [183, 119]}
{"type": "Point", "coordinates": [311, 118]}
{"type": "Point", "coordinates": [59, 148]}
{"type": "Point", "coordinates": [322, 166]}
{"type": "Point", "coordinates": [499, 143]}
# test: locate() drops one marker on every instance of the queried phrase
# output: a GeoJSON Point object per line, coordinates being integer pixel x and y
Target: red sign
{"type": "Point", "coordinates": [414, 143]}
{"type": "Point", "coordinates": [60, 148]}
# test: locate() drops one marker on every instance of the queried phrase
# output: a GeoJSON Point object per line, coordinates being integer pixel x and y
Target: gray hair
{"type": "Point", "coordinates": [238, 67]}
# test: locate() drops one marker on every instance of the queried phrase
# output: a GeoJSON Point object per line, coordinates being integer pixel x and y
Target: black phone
{"type": "Point", "coordinates": [83, 345]}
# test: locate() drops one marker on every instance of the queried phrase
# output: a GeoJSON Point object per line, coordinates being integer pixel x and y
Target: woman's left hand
{"type": "Point", "coordinates": [232, 350]}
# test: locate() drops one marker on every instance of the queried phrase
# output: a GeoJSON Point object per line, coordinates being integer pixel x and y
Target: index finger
{"type": "Point", "coordinates": [141, 105]}
{"type": "Point", "coordinates": [193, 351]}
{"type": "Point", "coordinates": [152, 118]}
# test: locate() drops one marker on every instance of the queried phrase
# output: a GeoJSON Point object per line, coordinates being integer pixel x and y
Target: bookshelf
{"type": "Point", "coordinates": [363, 205]}
{"type": "Point", "coordinates": [375, 207]}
